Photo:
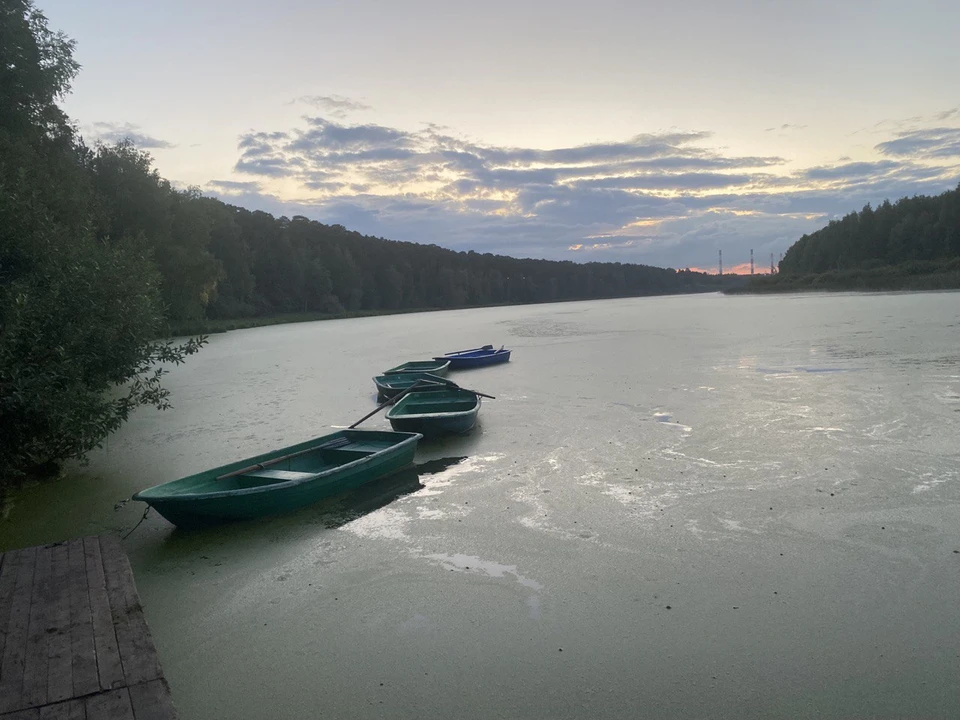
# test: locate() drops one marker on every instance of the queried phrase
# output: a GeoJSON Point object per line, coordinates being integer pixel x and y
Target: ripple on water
{"type": "Point", "coordinates": [545, 328]}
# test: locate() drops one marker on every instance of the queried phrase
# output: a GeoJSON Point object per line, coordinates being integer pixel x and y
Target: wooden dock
{"type": "Point", "coordinates": [74, 642]}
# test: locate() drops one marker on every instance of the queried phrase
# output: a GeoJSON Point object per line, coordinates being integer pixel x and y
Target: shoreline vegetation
{"type": "Point", "coordinates": [912, 244]}
{"type": "Point", "coordinates": [210, 326]}
{"type": "Point", "coordinates": [914, 276]}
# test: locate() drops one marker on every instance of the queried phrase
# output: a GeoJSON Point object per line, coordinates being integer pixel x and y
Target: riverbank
{"type": "Point", "coordinates": [909, 276]}
{"type": "Point", "coordinates": [222, 325]}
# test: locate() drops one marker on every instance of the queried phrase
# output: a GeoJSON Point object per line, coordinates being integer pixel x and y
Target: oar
{"type": "Point", "coordinates": [339, 442]}
{"type": "Point", "coordinates": [460, 352]}
{"type": "Point", "coordinates": [451, 383]}
{"type": "Point", "coordinates": [390, 401]}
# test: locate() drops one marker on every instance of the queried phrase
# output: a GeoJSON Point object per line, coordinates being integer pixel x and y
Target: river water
{"type": "Point", "coordinates": [677, 507]}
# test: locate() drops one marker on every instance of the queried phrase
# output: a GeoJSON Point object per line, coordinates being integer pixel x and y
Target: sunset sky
{"type": "Point", "coordinates": [602, 131]}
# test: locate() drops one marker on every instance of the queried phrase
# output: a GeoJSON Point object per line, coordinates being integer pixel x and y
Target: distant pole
{"type": "Point", "coordinates": [771, 264]}
{"type": "Point", "coordinates": [751, 262]}
{"type": "Point", "coordinates": [721, 262]}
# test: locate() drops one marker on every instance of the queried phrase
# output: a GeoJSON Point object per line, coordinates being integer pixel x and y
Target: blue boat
{"type": "Point", "coordinates": [477, 357]}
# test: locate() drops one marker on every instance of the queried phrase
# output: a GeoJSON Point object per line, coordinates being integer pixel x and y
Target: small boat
{"type": "Point", "coordinates": [477, 357]}
{"type": "Point", "coordinates": [436, 412]}
{"type": "Point", "coordinates": [282, 480]}
{"type": "Point", "coordinates": [389, 386]}
{"type": "Point", "coordinates": [437, 366]}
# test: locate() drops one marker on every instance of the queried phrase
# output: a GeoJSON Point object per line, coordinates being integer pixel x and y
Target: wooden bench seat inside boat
{"type": "Point", "coordinates": [279, 475]}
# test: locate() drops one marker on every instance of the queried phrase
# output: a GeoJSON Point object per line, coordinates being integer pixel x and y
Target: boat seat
{"type": "Point", "coordinates": [368, 447]}
{"type": "Point", "coordinates": [279, 475]}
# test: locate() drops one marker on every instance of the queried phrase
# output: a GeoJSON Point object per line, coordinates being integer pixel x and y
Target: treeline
{"type": "Point", "coordinates": [217, 261]}
{"type": "Point", "coordinates": [913, 232]}
{"type": "Point", "coordinates": [276, 265]}
{"type": "Point", "coordinates": [916, 275]}
{"type": "Point", "coordinates": [80, 301]}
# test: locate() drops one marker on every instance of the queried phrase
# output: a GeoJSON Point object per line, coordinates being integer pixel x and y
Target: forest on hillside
{"type": "Point", "coordinates": [919, 229]}
{"type": "Point", "coordinates": [911, 244]}
{"type": "Point", "coordinates": [219, 261]}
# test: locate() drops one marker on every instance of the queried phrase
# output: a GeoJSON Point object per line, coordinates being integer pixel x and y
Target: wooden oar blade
{"type": "Point", "coordinates": [389, 401]}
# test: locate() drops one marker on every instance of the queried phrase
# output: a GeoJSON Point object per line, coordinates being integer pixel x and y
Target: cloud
{"type": "Point", "coordinates": [336, 106]}
{"type": "Point", "coordinates": [265, 166]}
{"type": "Point", "coordinates": [113, 133]}
{"type": "Point", "coordinates": [232, 187]}
{"type": "Point", "coordinates": [785, 126]}
{"type": "Point", "coordinates": [930, 143]}
{"type": "Point", "coordinates": [671, 198]}
{"type": "Point", "coordinates": [676, 181]}
{"type": "Point", "coordinates": [850, 170]}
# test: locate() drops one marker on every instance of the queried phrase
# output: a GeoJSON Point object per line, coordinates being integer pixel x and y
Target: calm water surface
{"type": "Point", "coordinates": [677, 507]}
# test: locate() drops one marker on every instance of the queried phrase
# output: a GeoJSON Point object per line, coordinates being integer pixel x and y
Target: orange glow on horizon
{"type": "Point", "coordinates": [741, 269]}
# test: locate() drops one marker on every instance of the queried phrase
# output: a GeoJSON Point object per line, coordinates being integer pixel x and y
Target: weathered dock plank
{"type": "Point", "coordinates": [109, 667]}
{"type": "Point", "coordinates": [32, 714]}
{"type": "Point", "coordinates": [18, 623]}
{"type": "Point", "coordinates": [9, 566]}
{"type": "Point", "coordinates": [70, 710]}
{"type": "Point", "coordinates": [59, 660]}
{"type": "Point", "coordinates": [152, 701]}
{"type": "Point", "coordinates": [74, 644]}
{"type": "Point", "coordinates": [82, 648]}
{"type": "Point", "coordinates": [113, 705]}
{"type": "Point", "coordinates": [35, 662]}
{"type": "Point", "coordinates": [137, 652]}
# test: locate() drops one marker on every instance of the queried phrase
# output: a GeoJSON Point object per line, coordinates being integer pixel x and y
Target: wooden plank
{"type": "Point", "coordinates": [59, 659]}
{"type": "Point", "coordinates": [82, 648]}
{"type": "Point", "coordinates": [31, 714]}
{"type": "Point", "coordinates": [109, 668]}
{"type": "Point", "coordinates": [152, 701]}
{"type": "Point", "coordinates": [137, 651]}
{"type": "Point", "coordinates": [70, 710]}
{"type": "Point", "coordinates": [15, 647]}
{"type": "Point", "coordinates": [9, 565]}
{"type": "Point", "coordinates": [35, 663]}
{"type": "Point", "coordinates": [112, 705]}
{"type": "Point", "coordinates": [74, 637]}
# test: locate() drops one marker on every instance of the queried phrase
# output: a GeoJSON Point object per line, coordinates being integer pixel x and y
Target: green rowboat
{"type": "Point", "coordinates": [282, 480]}
{"type": "Point", "coordinates": [437, 367]}
{"type": "Point", "coordinates": [436, 412]}
{"type": "Point", "coordinates": [389, 386]}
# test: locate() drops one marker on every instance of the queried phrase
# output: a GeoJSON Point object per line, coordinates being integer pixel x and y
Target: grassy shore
{"type": "Point", "coordinates": [909, 276]}
{"type": "Point", "coordinates": [220, 325]}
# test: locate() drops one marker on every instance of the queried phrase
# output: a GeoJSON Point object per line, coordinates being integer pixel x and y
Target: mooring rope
{"type": "Point", "coordinates": [124, 537]}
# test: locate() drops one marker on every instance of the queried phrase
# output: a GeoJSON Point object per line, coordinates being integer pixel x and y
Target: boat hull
{"type": "Point", "coordinates": [476, 359]}
{"type": "Point", "coordinates": [189, 502]}
{"type": "Point", "coordinates": [437, 366]}
{"type": "Point", "coordinates": [436, 413]}
{"type": "Point", "coordinates": [389, 386]}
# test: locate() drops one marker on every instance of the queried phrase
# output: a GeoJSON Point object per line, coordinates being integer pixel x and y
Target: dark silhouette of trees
{"type": "Point", "coordinates": [920, 229]}
{"type": "Point", "coordinates": [80, 309]}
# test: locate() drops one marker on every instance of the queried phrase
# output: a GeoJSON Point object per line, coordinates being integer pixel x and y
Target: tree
{"type": "Point", "coordinates": [78, 314]}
